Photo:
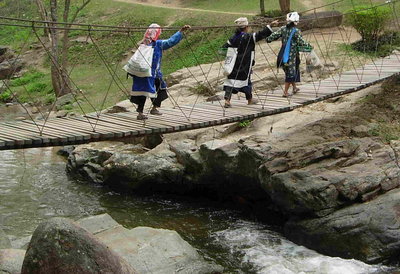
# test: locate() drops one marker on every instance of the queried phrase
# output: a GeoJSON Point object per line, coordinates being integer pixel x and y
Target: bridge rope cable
{"type": "Point", "coordinates": [140, 29]}
{"type": "Point", "coordinates": [346, 38]}
{"type": "Point", "coordinates": [202, 71]}
{"type": "Point", "coordinates": [66, 84]}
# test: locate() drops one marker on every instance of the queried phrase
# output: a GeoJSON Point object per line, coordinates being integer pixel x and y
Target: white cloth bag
{"type": "Point", "coordinates": [140, 63]}
{"type": "Point", "coordinates": [313, 62]}
{"type": "Point", "coordinates": [230, 60]}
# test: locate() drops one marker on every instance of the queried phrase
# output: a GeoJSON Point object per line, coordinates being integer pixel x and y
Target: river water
{"type": "Point", "coordinates": [34, 187]}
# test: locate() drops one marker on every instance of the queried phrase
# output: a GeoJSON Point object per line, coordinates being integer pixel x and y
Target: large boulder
{"type": "Point", "coordinates": [321, 19]}
{"type": "Point", "coordinates": [11, 260]}
{"type": "Point", "coordinates": [125, 165]}
{"type": "Point", "coordinates": [316, 180]}
{"type": "Point", "coordinates": [149, 250]}
{"type": "Point", "coordinates": [61, 245]}
{"type": "Point", "coordinates": [369, 231]}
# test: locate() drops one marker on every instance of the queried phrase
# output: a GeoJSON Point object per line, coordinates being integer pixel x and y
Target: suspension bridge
{"type": "Point", "coordinates": [352, 75]}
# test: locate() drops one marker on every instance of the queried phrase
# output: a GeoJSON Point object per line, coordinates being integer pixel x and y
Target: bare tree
{"type": "Point", "coordinates": [262, 7]}
{"type": "Point", "coordinates": [59, 47]}
{"type": "Point", "coordinates": [285, 6]}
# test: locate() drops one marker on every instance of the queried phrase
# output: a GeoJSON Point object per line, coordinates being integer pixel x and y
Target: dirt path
{"type": "Point", "coordinates": [174, 4]}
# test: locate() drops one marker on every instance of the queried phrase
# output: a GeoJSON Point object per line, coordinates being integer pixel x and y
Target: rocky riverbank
{"type": "Point", "coordinates": [330, 170]}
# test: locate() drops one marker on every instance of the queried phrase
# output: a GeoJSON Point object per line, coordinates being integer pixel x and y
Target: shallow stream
{"type": "Point", "coordinates": [34, 186]}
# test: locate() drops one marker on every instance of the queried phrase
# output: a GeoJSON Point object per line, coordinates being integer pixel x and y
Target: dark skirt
{"type": "Point", "coordinates": [292, 74]}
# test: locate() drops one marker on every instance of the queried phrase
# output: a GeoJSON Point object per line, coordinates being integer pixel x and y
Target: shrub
{"type": "Point", "coordinates": [6, 96]}
{"type": "Point", "coordinates": [204, 90]}
{"type": "Point", "coordinates": [369, 21]}
{"type": "Point", "coordinates": [273, 13]}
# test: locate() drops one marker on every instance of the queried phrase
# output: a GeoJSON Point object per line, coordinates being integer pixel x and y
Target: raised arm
{"type": "Point", "coordinates": [262, 34]}
{"type": "Point", "coordinates": [274, 36]}
{"type": "Point", "coordinates": [174, 39]}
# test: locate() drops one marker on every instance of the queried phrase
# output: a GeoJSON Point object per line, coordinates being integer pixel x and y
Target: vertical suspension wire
{"type": "Point", "coordinates": [54, 62]}
{"type": "Point", "coordinates": [202, 71]}
{"type": "Point", "coordinates": [316, 89]}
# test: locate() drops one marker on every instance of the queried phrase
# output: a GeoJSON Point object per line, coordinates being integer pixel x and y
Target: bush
{"type": "Point", "coordinates": [204, 90]}
{"type": "Point", "coordinates": [369, 21]}
{"type": "Point", "coordinates": [6, 96]}
{"type": "Point", "coordinates": [273, 13]}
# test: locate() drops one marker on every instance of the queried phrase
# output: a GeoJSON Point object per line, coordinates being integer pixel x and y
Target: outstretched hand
{"type": "Point", "coordinates": [274, 23]}
{"type": "Point", "coordinates": [185, 27]}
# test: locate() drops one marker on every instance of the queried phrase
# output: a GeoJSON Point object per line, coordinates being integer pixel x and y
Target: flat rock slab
{"type": "Point", "coordinates": [11, 260]}
{"type": "Point", "coordinates": [149, 250]}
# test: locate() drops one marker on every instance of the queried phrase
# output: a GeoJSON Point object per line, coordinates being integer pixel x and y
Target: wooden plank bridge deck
{"type": "Point", "coordinates": [77, 130]}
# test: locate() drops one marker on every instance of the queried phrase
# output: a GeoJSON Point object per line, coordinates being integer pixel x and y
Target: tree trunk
{"type": "Point", "coordinates": [285, 6]}
{"type": "Point", "coordinates": [43, 15]}
{"type": "Point", "coordinates": [59, 73]}
{"type": "Point", "coordinates": [262, 7]}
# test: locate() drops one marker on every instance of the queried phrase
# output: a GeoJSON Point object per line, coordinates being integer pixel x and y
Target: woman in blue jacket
{"type": "Point", "coordinates": [153, 87]}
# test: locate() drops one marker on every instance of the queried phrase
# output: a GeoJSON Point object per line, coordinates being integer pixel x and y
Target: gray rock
{"type": "Point", "coordinates": [318, 179]}
{"type": "Point", "coordinates": [321, 19]}
{"type": "Point", "coordinates": [60, 244]}
{"type": "Point", "coordinates": [360, 131]}
{"type": "Point", "coordinates": [64, 100]}
{"type": "Point", "coordinates": [369, 231]}
{"type": "Point", "coordinates": [11, 260]}
{"type": "Point", "coordinates": [116, 109]}
{"type": "Point", "coordinates": [20, 118]}
{"type": "Point", "coordinates": [66, 151]}
{"type": "Point", "coordinates": [4, 240]}
{"type": "Point", "coordinates": [10, 66]}
{"type": "Point", "coordinates": [61, 113]}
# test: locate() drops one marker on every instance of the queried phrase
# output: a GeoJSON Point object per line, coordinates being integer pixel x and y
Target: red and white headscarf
{"type": "Point", "coordinates": [151, 34]}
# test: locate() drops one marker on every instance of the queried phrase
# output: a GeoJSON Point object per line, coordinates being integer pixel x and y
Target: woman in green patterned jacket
{"type": "Point", "coordinates": [291, 66]}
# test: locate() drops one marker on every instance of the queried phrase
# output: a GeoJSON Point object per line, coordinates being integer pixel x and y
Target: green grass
{"type": "Point", "coordinates": [33, 86]}
{"type": "Point", "coordinates": [247, 6]}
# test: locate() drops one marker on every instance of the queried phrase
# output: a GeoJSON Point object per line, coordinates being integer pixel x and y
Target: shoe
{"type": "Point", "coordinates": [155, 111]}
{"type": "Point", "coordinates": [253, 102]}
{"type": "Point", "coordinates": [227, 105]}
{"type": "Point", "coordinates": [285, 95]}
{"type": "Point", "coordinates": [296, 90]}
{"type": "Point", "coordinates": [141, 116]}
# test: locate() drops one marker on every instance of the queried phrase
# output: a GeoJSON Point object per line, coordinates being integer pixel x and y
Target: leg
{"type": "Point", "coordinates": [228, 96]}
{"type": "Point", "coordinates": [161, 96]}
{"type": "Point", "coordinates": [139, 101]}
{"type": "Point", "coordinates": [286, 91]}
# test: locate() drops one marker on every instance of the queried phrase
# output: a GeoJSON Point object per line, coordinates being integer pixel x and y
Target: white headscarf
{"type": "Point", "coordinates": [242, 22]}
{"type": "Point", "coordinates": [293, 17]}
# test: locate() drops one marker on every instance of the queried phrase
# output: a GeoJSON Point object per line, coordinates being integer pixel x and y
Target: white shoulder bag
{"type": "Point", "coordinates": [230, 60]}
{"type": "Point", "coordinates": [140, 63]}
